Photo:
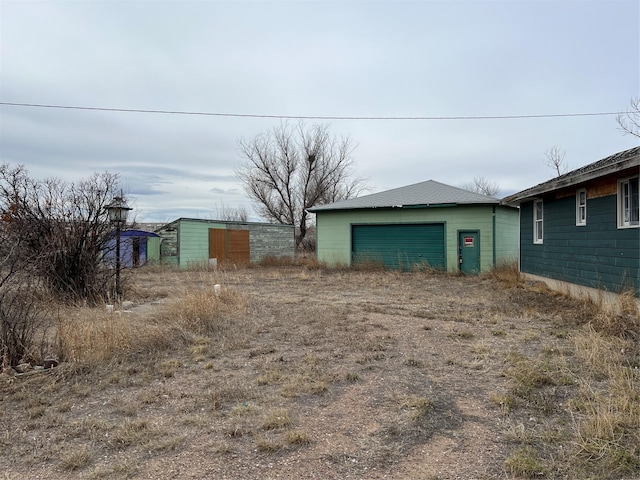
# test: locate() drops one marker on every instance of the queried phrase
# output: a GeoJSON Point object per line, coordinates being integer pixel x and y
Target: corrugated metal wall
{"type": "Point", "coordinates": [404, 246]}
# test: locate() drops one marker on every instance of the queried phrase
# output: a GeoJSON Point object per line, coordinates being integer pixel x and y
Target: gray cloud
{"type": "Point", "coordinates": [310, 58]}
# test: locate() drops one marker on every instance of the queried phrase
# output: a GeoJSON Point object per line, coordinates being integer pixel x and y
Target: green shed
{"type": "Point", "coordinates": [187, 242]}
{"type": "Point", "coordinates": [425, 224]}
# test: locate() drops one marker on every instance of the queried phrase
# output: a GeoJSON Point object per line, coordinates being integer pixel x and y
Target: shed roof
{"type": "Point", "coordinates": [613, 163]}
{"type": "Point", "coordinates": [424, 194]}
{"type": "Point", "coordinates": [137, 233]}
{"type": "Point", "coordinates": [225, 222]}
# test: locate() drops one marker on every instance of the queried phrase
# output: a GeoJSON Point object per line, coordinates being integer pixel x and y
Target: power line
{"type": "Point", "coordinates": [312, 117]}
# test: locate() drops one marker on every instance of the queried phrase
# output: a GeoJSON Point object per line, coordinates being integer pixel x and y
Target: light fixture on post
{"type": "Point", "coordinates": [117, 211]}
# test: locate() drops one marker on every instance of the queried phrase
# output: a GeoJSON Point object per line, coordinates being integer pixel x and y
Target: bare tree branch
{"type": "Point", "coordinates": [61, 227]}
{"type": "Point", "coordinates": [291, 168]}
{"type": "Point", "coordinates": [483, 186]}
{"type": "Point", "coordinates": [230, 214]}
{"type": "Point", "coordinates": [629, 122]}
{"type": "Point", "coordinates": [555, 160]}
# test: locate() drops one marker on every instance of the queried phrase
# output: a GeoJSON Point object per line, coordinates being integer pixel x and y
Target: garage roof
{"type": "Point", "coordinates": [424, 194]}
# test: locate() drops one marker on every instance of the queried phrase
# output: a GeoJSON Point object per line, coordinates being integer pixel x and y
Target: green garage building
{"type": "Point", "coordinates": [425, 224]}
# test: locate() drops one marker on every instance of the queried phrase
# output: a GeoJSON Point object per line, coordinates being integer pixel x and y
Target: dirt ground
{"type": "Point", "coordinates": [323, 375]}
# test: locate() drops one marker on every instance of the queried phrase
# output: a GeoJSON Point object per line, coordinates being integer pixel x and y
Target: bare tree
{"type": "Point", "coordinates": [629, 121]}
{"type": "Point", "coordinates": [289, 169]}
{"type": "Point", "coordinates": [554, 158]}
{"type": "Point", "coordinates": [483, 186]}
{"type": "Point", "coordinates": [62, 230]}
{"type": "Point", "coordinates": [230, 214]}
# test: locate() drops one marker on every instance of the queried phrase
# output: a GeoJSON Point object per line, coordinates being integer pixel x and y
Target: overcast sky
{"type": "Point", "coordinates": [311, 58]}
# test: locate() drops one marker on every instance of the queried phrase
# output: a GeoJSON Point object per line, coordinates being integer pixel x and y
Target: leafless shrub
{"type": "Point", "coordinates": [57, 231]}
{"type": "Point", "coordinates": [23, 325]}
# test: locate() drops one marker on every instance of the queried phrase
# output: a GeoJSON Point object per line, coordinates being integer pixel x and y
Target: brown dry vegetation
{"type": "Point", "coordinates": [298, 372]}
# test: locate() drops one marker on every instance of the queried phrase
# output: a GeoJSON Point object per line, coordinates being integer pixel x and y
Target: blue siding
{"type": "Point", "coordinates": [598, 255]}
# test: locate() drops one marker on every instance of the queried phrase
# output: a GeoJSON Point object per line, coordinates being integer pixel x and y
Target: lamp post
{"type": "Point", "coordinates": [117, 211]}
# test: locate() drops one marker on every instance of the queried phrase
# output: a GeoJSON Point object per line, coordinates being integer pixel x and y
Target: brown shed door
{"type": "Point", "coordinates": [229, 245]}
{"type": "Point", "coordinates": [218, 244]}
{"type": "Point", "coordinates": [238, 246]}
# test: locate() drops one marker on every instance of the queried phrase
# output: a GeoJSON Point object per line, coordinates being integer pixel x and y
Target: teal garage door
{"type": "Point", "coordinates": [402, 246]}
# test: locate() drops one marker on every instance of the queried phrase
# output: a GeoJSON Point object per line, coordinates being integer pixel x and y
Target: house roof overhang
{"type": "Point", "coordinates": [607, 166]}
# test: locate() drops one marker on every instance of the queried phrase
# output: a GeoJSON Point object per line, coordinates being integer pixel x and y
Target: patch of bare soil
{"type": "Point", "coordinates": [361, 375]}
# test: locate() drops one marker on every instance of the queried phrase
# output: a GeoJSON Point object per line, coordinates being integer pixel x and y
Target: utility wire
{"type": "Point", "coordinates": [313, 117]}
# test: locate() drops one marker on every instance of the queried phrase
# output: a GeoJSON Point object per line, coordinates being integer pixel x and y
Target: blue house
{"type": "Point", "coordinates": [583, 228]}
{"type": "Point", "coordinates": [137, 247]}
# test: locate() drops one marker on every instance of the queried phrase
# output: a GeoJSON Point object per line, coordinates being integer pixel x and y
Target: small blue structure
{"type": "Point", "coordinates": [137, 247]}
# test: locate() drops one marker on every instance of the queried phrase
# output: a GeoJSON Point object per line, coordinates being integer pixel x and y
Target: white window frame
{"type": "Point", "coordinates": [581, 207]}
{"type": "Point", "coordinates": [538, 233]}
{"type": "Point", "coordinates": [628, 209]}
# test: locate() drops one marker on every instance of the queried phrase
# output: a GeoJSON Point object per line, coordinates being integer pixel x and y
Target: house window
{"type": "Point", "coordinates": [537, 221]}
{"type": "Point", "coordinates": [581, 207]}
{"type": "Point", "coordinates": [628, 203]}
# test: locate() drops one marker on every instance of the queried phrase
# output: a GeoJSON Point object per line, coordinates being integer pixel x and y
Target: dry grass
{"type": "Point", "coordinates": [299, 370]}
{"type": "Point", "coordinates": [76, 459]}
{"type": "Point", "coordinates": [276, 419]}
{"type": "Point", "coordinates": [525, 463]}
{"type": "Point", "coordinates": [603, 439]}
{"type": "Point", "coordinates": [607, 409]}
{"type": "Point", "coordinates": [204, 311]}
{"type": "Point", "coordinates": [507, 274]}
{"type": "Point", "coordinates": [93, 336]}
{"type": "Point", "coordinates": [619, 320]}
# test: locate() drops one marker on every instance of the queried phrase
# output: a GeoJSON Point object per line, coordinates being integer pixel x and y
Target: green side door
{"type": "Point", "coordinates": [399, 246]}
{"type": "Point", "coordinates": [153, 250]}
{"type": "Point", "coordinates": [469, 251]}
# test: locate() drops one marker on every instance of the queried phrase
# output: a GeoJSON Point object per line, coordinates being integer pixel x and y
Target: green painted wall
{"type": "Point", "coordinates": [507, 233]}
{"type": "Point", "coordinates": [598, 255]}
{"type": "Point", "coordinates": [333, 230]}
{"type": "Point", "coordinates": [193, 241]}
{"type": "Point", "coordinates": [185, 242]}
{"type": "Point", "coordinates": [153, 250]}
